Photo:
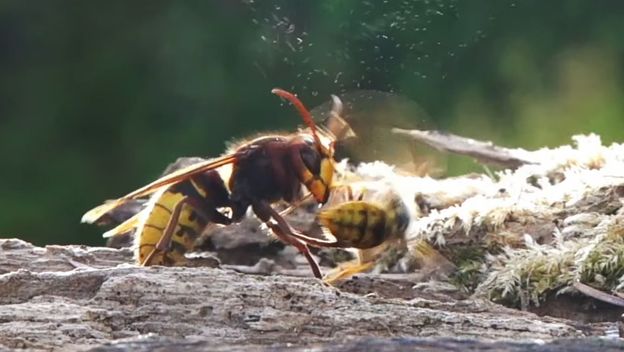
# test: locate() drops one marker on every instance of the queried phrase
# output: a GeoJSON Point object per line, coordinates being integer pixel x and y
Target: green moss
{"type": "Point", "coordinates": [527, 276]}
{"type": "Point", "coordinates": [603, 266]}
{"type": "Point", "coordinates": [469, 261]}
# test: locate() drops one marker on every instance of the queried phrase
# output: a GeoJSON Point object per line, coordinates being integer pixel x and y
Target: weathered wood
{"type": "Point", "coordinates": [485, 152]}
{"type": "Point", "coordinates": [371, 344]}
{"type": "Point", "coordinates": [74, 297]}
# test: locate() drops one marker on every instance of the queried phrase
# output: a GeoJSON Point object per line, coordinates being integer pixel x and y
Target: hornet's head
{"type": "Point", "coordinates": [317, 171]}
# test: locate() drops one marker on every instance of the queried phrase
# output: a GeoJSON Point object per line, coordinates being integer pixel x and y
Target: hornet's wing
{"type": "Point", "coordinates": [175, 177]}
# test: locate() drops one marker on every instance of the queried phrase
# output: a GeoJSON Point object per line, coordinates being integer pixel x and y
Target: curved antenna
{"type": "Point", "coordinates": [305, 114]}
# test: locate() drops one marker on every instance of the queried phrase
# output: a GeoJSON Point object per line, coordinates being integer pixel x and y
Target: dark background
{"type": "Point", "coordinates": [97, 97]}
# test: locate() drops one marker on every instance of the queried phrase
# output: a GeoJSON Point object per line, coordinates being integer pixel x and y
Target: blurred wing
{"type": "Point", "coordinates": [125, 226]}
{"type": "Point", "coordinates": [172, 178]}
{"type": "Point", "coordinates": [371, 115]}
{"type": "Point", "coordinates": [334, 125]}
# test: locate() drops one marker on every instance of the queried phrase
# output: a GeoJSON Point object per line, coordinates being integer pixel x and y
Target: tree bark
{"type": "Point", "coordinates": [76, 298]}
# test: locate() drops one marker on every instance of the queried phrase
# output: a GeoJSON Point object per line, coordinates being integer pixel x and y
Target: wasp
{"type": "Point", "coordinates": [370, 224]}
{"type": "Point", "coordinates": [263, 171]}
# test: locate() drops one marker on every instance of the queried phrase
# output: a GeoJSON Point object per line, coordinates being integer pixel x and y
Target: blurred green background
{"type": "Point", "coordinates": [96, 97]}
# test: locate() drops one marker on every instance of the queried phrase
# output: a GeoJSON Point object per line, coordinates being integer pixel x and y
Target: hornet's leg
{"type": "Point", "coordinates": [295, 205]}
{"type": "Point", "coordinates": [284, 232]}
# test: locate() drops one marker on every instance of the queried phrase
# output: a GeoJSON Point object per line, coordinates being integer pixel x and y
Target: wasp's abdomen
{"type": "Point", "coordinates": [356, 224]}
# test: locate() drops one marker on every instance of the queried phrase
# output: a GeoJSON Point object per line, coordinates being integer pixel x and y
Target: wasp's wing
{"type": "Point", "coordinates": [177, 176]}
{"type": "Point", "coordinates": [371, 115]}
{"type": "Point", "coordinates": [334, 124]}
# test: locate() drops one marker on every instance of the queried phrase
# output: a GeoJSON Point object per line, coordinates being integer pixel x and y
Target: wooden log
{"type": "Point", "coordinates": [76, 297]}
{"type": "Point", "coordinates": [484, 152]}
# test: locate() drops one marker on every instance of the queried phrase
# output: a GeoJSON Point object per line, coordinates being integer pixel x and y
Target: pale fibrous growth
{"type": "Point", "coordinates": [520, 236]}
{"type": "Point", "coordinates": [525, 276]}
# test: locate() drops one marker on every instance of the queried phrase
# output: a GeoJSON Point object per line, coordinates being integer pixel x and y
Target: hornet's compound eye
{"type": "Point", "coordinates": [311, 159]}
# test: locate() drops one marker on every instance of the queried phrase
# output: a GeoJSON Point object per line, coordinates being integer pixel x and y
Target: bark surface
{"type": "Point", "coordinates": [79, 298]}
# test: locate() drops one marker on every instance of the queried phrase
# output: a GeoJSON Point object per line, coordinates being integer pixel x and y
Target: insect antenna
{"type": "Point", "coordinates": [303, 111]}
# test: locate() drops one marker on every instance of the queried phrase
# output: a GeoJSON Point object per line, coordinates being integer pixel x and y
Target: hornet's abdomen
{"type": "Point", "coordinates": [152, 226]}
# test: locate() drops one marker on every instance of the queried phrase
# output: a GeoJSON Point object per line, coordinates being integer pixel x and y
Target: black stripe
{"type": "Point", "coordinates": [163, 207]}
{"type": "Point", "coordinates": [379, 230]}
{"type": "Point", "coordinates": [362, 226]}
{"type": "Point", "coordinates": [154, 227]}
{"type": "Point", "coordinates": [174, 247]}
{"type": "Point", "coordinates": [188, 231]}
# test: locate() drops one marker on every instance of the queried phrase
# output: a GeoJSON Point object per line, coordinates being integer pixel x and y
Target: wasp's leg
{"type": "Point", "coordinates": [361, 196]}
{"type": "Point", "coordinates": [346, 270]}
{"type": "Point", "coordinates": [365, 260]}
{"type": "Point", "coordinates": [164, 243]}
{"type": "Point", "coordinates": [340, 193]}
{"type": "Point", "coordinates": [284, 232]}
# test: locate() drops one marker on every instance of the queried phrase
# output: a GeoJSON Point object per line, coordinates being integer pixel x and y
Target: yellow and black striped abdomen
{"type": "Point", "coordinates": [153, 223]}
{"type": "Point", "coordinates": [356, 224]}
{"type": "Point", "coordinates": [366, 224]}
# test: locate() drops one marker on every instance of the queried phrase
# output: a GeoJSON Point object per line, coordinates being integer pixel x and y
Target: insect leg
{"type": "Point", "coordinates": [284, 232]}
{"type": "Point", "coordinates": [216, 216]}
{"type": "Point", "coordinates": [301, 247]}
{"type": "Point", "coordinates": [364, 261]}
{"type": "Point", "coordinates": [346, 270]}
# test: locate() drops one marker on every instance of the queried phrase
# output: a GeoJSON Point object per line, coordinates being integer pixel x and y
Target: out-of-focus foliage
{"type": "Point", "coordinates": [97, 97]}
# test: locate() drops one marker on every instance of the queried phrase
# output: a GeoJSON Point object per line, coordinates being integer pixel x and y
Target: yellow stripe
{"type": "Point", "coordinates": [156, 218]}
